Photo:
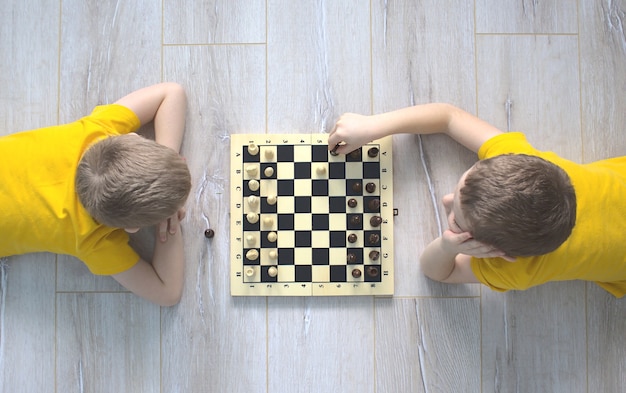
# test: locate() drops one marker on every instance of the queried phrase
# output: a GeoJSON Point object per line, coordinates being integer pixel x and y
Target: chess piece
{"type": "Point", "coordinates": [252, 255]}
{"type": "Point", "coordinates": [271, 199]}
{"type": "Point", "coordinates": [355, 220]}
{"type": "Point", "coordinates": [273, 254]}
{"type": "Point", "coordinates": [352, 202]}
{"type": "Point", "coordinates": [253, 149]}
{"type": "Point", "coordinates": [351, 258]}
{"type": "Point", "coordinates": [374, 255]}
{"type": "Point", "coordinates": [249, 272]}
{"type": "Point", "coordinates": [370, 187]}
{"type": "Point", "coordinates": [253, 185]}
{"type": "Point", "coordinates": [372, 271]}
{"type": "Point", "coordinates": [250, 240]}
{"type": "Point", "coordinates": [269, 154]}
{"type": "Point", "coordinates": [252, 217]}
{"type": "Point", "coordinates": [372, 152]}
{"type": "Point", "coordinates": [355, 154]}
{"type": "Point", "coordinates": [374, 204]}
{"type": "Point", "coordinates": [320, 170]}
{"type": "Point", "coordinates": [272, 271]}
{"type": "Point", "coordinates": [209, 233]}
{"type": "Point", "coordinates": [253, 200]}
{"type": "Point", "coordinates": [272, 237]}
{"type": "Point", "coordinates": [356, 187]}
{"type": "Point", "coordinates": [356, 273]}
{"type": "Point", "coordinates": [373, 238]}
{"type": "Point", "coordinates": [251, 170]}
{"type": "Point", "coordinates": [376, 221]}
{"type": "Point", "coordinates": [268, 221]}
{"type": "Point", "coordinates": [352, 238]}
{"type": "Point", "coordinates": [269, 171]}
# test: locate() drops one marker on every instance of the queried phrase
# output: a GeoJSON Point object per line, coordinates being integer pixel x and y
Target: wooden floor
{"type": "Point", "coordinates": [553, 69]}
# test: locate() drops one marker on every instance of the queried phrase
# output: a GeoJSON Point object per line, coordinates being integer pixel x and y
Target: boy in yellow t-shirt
{"type": "Point", "coordinates": [519, 217]}
{"type": "Point", "coordinates": [80, 188]}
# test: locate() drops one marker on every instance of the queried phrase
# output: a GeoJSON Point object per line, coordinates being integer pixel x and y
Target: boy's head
{"type": "Point", "coordinates": [522, 205]}
{"type": "Point", "coordinates": [128, 181]}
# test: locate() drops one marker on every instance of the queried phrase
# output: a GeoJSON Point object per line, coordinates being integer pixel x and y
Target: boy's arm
{"type": "Point", "coordinates": [166, 105]}
{"type": "Point", "coordinates": [356, 130]}
{"type": "Point", "coordinates": [442, 264]}
{"type": "Point", "coordinates": [160, 282]}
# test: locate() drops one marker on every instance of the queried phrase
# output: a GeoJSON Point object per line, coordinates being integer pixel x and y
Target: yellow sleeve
{"type": "Point", "coordinates": [110, 255]}
{"type": "Point", "coordinates": [506, 143]}
{"type": "Point", "coordinates": [113, 119]}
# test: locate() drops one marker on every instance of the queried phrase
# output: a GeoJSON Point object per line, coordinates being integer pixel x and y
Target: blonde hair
{"type": "Point", "coordinates": [128, 181]}
{"type": "Point", "coordinates": [523, 205]}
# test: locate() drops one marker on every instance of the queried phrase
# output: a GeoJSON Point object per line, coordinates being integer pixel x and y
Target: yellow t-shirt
{"type": "Point", "coordinates": [39, 208]}
{"type": "Point", "coordinates": [596, 249]}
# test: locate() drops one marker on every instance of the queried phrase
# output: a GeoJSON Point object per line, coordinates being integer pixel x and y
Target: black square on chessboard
{"type": "Point", "coordinates": [303, 273]}
{"type": "Point", "coordinates": [319, 153]}
{"type": "Point", "coordinates": [336, 170]}
{"type": "Point", "coordinates": [284, 153]}
{"type": "Point", "coordinates": [246, 261]}
{"type": "Point", "coordinates": [366, 204]}
{"type": "Point", "coordinates": [285, 222]}
{"type": "Point", "coordinates": [369, 277]}
{"type": "Point", "coordinates": [319, 188]}
{"type": "Point", "coordinates": [338, 238]}
{"type": "Point", "coordinates": [366, 238]}
{"type": "Point", "coordinates": [266, 207]}
{"type": "Point", "coordinates": [337, 204]}
{"type": "Point", "coordinates": [251, 227]}
{"type": "Point", "coordinates": [321, 256]}
{"type": "Point", "coordinates": [337, 273]}
{"type": "Point", "coordinates": [265, 165]}
{"type": "Point", "coordinates": [285, 187]}
{"type": "Point", "coordinates": [371, 170]}
{"type": "Point", "coordinates": [354, 155]}
{"type": "Point", "coordinates": [265, 277]}
{"type": "Point", "coordinates": [302, 170]}
{"type": "Point", "coordinates": [358, 253]}
{"type": "Point", "coordinates": [247, 191]}
{"type": "Point", "coordinates": [302, 204]}
{"type": "Point", "coordinates": [247, 157]}
{"type": "Point", "coordinates": [286, 256]}
{"type": "Point", "coordinates": [352, 189]}
{"type": "Point", "coordinates": [354, 221]}
{"type": "Point", "coordinates": [303, 239]}
{"type": "Point", "coordinates": [320, 222]}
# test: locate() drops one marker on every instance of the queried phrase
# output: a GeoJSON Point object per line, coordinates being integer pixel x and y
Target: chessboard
{"type": "Point", "coordinates": [307, 222]}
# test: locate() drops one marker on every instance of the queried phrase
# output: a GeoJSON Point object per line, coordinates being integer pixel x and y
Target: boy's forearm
{"type": "Point", "coordinates": [436, 262]}
{"type": "Point", "coordinates": [168, 262]}
{"type": "Point", "coordinates": [169, 120]}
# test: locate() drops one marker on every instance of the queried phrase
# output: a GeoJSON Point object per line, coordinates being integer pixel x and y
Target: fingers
{"type": "Point", "coordinates": [162, 230]}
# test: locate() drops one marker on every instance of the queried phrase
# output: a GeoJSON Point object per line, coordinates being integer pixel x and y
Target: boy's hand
{"type": "Point", "coordinates": [171, 225]}
{"type": "Point", "coordinates": [463, 243]}
{"type": "Point", "coordinates": [351, 131]}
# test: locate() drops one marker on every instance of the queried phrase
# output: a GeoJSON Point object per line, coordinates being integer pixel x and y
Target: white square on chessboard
{"type": "Point", "coordinates": [302, 221]}
{"type": "Point", "coordinates": [337, 158]}
{"type": "Point", "coordinates": [354, 170]}
{"type": "Point", "coordinates": [285, 170]}
{"type": "Point", "coordinates": [256, 275]}
{"type": "Point", "coordinates": [268, 187]}
{"type": "Point", "coordinates": [337, 256]}
{"type": "Point", "coordinates": [320, 273]}
{"type": "Point", "coordinates": [302, 153]}
{"type": "Point", "coordinates": [268, 153]}
{"type": "Point", "coordinates": [302, 256]}
{"type": "Point", "coordinates": [302, 187]}
{"type": "Point", "coordinates": [337, 222]}
{"type": "Point", "coordinates": [286, 239]}
{"type": "Point", "coordinates": [319, 205]}
{"type": "Point", "coordinates": [266, 260]}
{"type": "Point", "coordinates": [337, 187]}
{"type": "Point", "coordinates": [286, 273]}
{"type": "Point", "coordinates": [285, 204]}
{"type": "Point", "coordinates": [320, 239]}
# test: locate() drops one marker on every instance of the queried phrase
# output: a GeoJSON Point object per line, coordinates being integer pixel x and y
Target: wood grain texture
{"type": "Point", "coordinates": [213, 21]}
{"type": "Point", "coordinates": [427, 345]}
{"type": "Point", "coordinates": [219, 341]}
{"type": "Point", "coordinates": [526, 16]}
{"type": "Point", "coordinates": [534, 341]}
{"type": "Point", "coordinates": [603, 78]}
{"type": "Point", "coordinates": [107, 343]}
{"type": "Point", "coordinates": [318, 64]}
{"type": "Point", "coordinates": [417, 58]}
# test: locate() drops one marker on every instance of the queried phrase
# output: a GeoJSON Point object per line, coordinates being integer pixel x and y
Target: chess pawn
{"type": "Point", "coordinates": [269, 154]}
{"type": "Point", "coordinates": [273, 254]}
{"type": "Point", "coordinates": [253, 149]}
{"type": "Point", "coordinates": [253, 185]}
{"type": "Point", "coordinates": [272, 271]}
{"type": "Point", "coordinates": [271, 200]}
{"type": "Point", "coordinates": [252, 217]}
{"type": "Point", "coordinates": [269, 171]}
{"type": "Point", "coordinates": [250, 240]}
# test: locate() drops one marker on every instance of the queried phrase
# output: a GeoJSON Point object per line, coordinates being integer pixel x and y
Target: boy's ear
{"type": "Point", "coordinates": [131, 230]}
{"type": "Point", "coordinates": [508, 258]}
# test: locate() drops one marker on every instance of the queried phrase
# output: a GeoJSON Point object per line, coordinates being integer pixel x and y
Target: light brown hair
{"type": "Point", "coordinates": [128, 181]}
{"type": "Point", "coordinates": [523, 205]}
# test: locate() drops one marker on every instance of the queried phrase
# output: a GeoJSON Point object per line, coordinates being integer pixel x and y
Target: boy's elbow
{"type": "Point", "coordinates": [170, 299]}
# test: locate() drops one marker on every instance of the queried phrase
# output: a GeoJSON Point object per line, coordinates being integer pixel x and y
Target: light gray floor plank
{"type": "Point", "coordinates": [534, 341]}
{"type": "Point", "coordinates": [219, 341]}
{"type": "Point", "coordinates": [318, 64]}
{"type": "Point", "coordinates": [418, 59]}
{"type": "Point", "coordinates": [526, 16]}
{"type": "Point", "coordinates": [213, 21]}
{"type": "Point", "coordinates": [428, 345]}
{"type": "Point", "coordinates": [107, 343]}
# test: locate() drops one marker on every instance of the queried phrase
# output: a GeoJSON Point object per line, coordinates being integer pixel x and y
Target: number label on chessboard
{"type": "Point", "coordinates": [305, 222]}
